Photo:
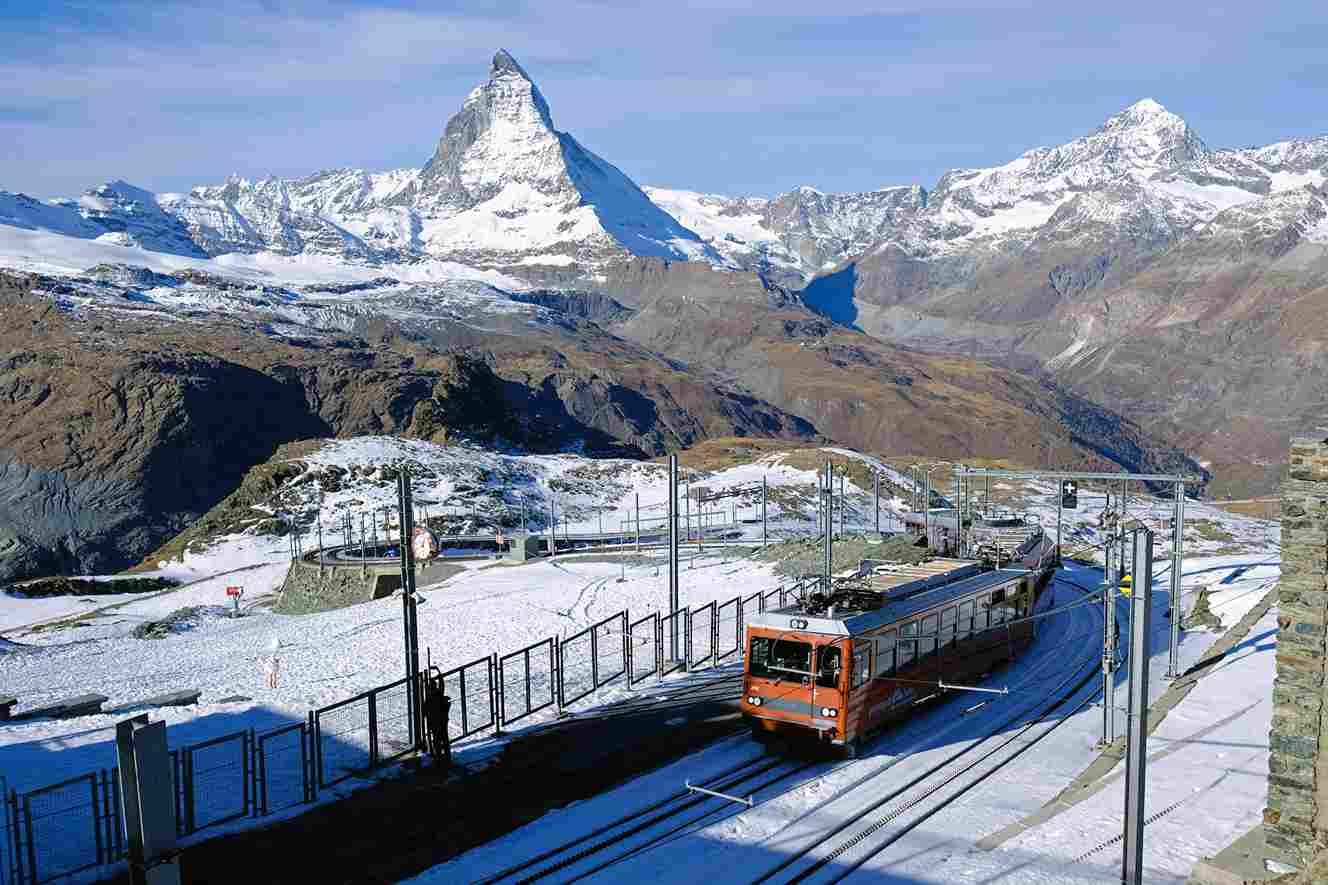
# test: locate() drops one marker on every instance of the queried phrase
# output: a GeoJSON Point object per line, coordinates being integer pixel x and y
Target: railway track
{"type": "Point", "coordinates": [646, 827]}
{"type": "Point", "coordinates": [866, 831]}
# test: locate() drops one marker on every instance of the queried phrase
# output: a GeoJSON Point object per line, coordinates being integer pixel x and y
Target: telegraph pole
{"type": "Point", "coordinates": [1109, 582]}
{"type": "Point", "coordinates": [763, 519]}
{"type": "Point", "coordinates": [1136, 754]}
{"type": "Point", "coordinates": [553, 532]}
{"type": "Point", "coordinates": [409, 608]}
{"type": "Point", "coordinates": [843, 503]}
{"type": "Point", "coordinates": [827, 495]}
{"type": "Point", "coordinates": [638, 523]}
{"type": "Point", "coordinates": [1177, 528]}
{"type": "Point", "coordinates": [673, 555]}
{"type": "Point", "coordinates": [876, 497]}
{"type": "Point", "coordinates": [1060, 513]}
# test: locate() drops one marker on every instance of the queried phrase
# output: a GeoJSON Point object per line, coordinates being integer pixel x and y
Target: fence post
{"type": "Point", "coordinates": [96, 814]}
{"type": "Point", "coordinates": [627, 643]}
{"type": "Point", "coordinates": [556, 662]}
{"type": "Point", "coordinates": [29, 840]}
{"type": "Point", "coordinates": [250, 774]}
{"type": "Point", "coordinates": [314, 778]}
{"type": "Point", "coordinates": [497, 694]}
{"type": "Point", "coordinates": [594, 657]}
{"type": "Point", "coordinates": [659, 651]}
{"type": "Point", "coordinates": [373, 730]}
{"type": "Point", "coordinates": [687, 642]}
{"type": "Point", "coordinates": [187, 767]}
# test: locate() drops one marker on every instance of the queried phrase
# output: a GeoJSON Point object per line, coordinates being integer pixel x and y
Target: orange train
{"type": "Point", "coordinates": [837, 667]}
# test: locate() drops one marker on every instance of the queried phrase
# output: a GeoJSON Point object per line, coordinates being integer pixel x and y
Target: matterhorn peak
{"type": "Point", "coordinates": [504, 63]}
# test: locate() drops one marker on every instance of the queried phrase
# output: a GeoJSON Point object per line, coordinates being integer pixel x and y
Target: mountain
{"type": "Point", "coordinates": [1131, 254]}
{"type": "Point", "coordinates": [504, 190]}
{"type": "Point", "coordinates": [517, 290]}
{"type": "Point", "coordinates": [796, 234]}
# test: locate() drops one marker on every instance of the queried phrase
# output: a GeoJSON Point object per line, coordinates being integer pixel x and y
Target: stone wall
{"type": "Point", "coordinates": [308, 589]}
{"type": "Point", "coordinates": [1296, 818]}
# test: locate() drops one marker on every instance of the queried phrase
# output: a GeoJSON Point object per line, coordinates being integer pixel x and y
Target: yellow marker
{"type": "Point", "coordinates": [1125, 585]}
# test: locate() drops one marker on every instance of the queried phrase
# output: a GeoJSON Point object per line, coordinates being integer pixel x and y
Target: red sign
{"type": "Point", "coordinates": [235, 591]}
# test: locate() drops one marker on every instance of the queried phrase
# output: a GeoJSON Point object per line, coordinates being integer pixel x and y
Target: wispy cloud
{"type": "Point", "coordinates": [717, 95]}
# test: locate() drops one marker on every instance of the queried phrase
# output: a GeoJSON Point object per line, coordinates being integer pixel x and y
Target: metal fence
{"type": "Point", "coordinates": [643, 649]}
{"type": "Point", "coordinates": [701, 637]}
{"type": "Point", "coordinates": [527, 681]}
{"type": "Point", "coordinates": [474, 697]}
{"type": "Point", "coordinates": [77, 824]}
{"type": "Point", "coordinates": [215, 780]}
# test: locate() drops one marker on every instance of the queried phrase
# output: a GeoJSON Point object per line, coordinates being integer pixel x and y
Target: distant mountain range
{"type": "Point", "coordinates": [1119, 299]}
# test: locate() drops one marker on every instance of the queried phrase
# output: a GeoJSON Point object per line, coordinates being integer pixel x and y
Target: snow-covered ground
{"type": "Point", "coordinates": [494, 607]}
{"type": "Point", "coordinates": [1214, 744]}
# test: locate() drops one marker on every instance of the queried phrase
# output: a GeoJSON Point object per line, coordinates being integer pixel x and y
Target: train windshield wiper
{"type": "Point", "coordinates": [789, 670]}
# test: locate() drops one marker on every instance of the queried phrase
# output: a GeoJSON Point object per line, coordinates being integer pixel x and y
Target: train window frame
{"type": "Point", "coordinates": [947, 631]}
{"type": "Point", "coordinates": [862, 664]}
{"type": "Point", "coordinates": [907, 650]}
{"type": "Point", "coordinates": [778, 674]}
{"type": "Point", "coordinates": [982, 613]}
{"type": "Point", "coordinates": [964, 627]}
{"type": "Point", "coordinates": [885, 653]}
{"type": "Point", "coordinates": [833, 678]}
{"type": "Point", "coordinates": [927, 635]}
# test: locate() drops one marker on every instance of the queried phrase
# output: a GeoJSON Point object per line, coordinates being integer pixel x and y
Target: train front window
{"type": "Point", "coordinates": [775, 658]}
{"type": "Point", "coordinates": [831, 661]}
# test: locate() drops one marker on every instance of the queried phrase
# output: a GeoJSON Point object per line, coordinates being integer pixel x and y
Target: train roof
{"type": "Point", "coordinates": [899, 605]}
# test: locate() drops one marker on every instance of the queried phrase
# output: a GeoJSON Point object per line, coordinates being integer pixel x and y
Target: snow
{"type": "Point", "coordinates": [1213, 743]}
{"type": "Point", "coordinates": [1219, 731]}
{"type": "Point", "coordinates": [46, 251]}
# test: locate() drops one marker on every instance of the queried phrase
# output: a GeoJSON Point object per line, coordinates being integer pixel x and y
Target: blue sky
{"type": "Point", "coordinates": [706, 96]}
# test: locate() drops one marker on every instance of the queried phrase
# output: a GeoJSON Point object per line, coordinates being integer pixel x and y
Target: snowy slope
{"type": "Point", "coordinates": [503, 189]}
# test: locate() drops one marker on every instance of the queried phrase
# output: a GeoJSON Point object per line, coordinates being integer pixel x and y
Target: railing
{"type": "Point", "coordinates": [77, 824]}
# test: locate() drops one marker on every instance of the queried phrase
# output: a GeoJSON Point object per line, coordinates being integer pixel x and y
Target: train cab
{"type": "Point", "coordinates": [796, 677]}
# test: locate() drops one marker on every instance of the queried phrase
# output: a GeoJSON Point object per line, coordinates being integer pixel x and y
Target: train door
{"type": "Point", "coordinates": [830, 688]}
{"type": "Point", "coordinates": [859, 683]}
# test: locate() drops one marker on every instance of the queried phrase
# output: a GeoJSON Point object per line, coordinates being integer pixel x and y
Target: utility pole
{"type": "Point", "coordinates": [409, 608]}
{"type": "Point", "coordinates": [843, 503]}
{"type": "Point", "coordinates": [876, 497]}
{"type": "Point", "coordinates": [926, 509]}
{"type": "Point", "coordinates": [763, 519]}
{"type": "Point", "coordinates": [1060, 511]}
{"type": "Point", "coordinates": [1109, 582]}
{"type": "Point", "coordinates": [687, 503]}
{"type": "Point", "coordinates": [638, 523]}
{"type": "Point", "coordinates": [674, 602]}
{"type": "Point", "coordinates": [1177, 532]}
{"type": "Point", "coordinates": [826, 496]}
{"type": "Point", "coordinates": [553, 532]}
{"type": "Point", "coordinates": [1136, 749]}
{"type": "Point", "coordinates": [959, 516]}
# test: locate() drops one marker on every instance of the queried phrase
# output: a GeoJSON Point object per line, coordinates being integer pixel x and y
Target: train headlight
{"type": "Point", "coordinates": [829, 712]}
{"type": "Point", "coordinates": [754, 701]}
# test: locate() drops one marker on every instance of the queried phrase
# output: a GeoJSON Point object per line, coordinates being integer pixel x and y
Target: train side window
{"type": "Point", "coordinates": [861, 662]}
{"type": "Point", "coordinates": [885, 653]}
{"type": "Point", "coordinates": [965, 619]}
{"type": "Point", "coordinates": [927, 638]}
{"type": "Point", "coordinates": [829, 667]}
{"type": "Point", "coordinates": [1000, 606]}
{"type": "Point", "coordinates": [981, 617]}
{"type": "Point", "coordinates": [908, 645]}
{"type": "Point", "coordinates": [947, 627]}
